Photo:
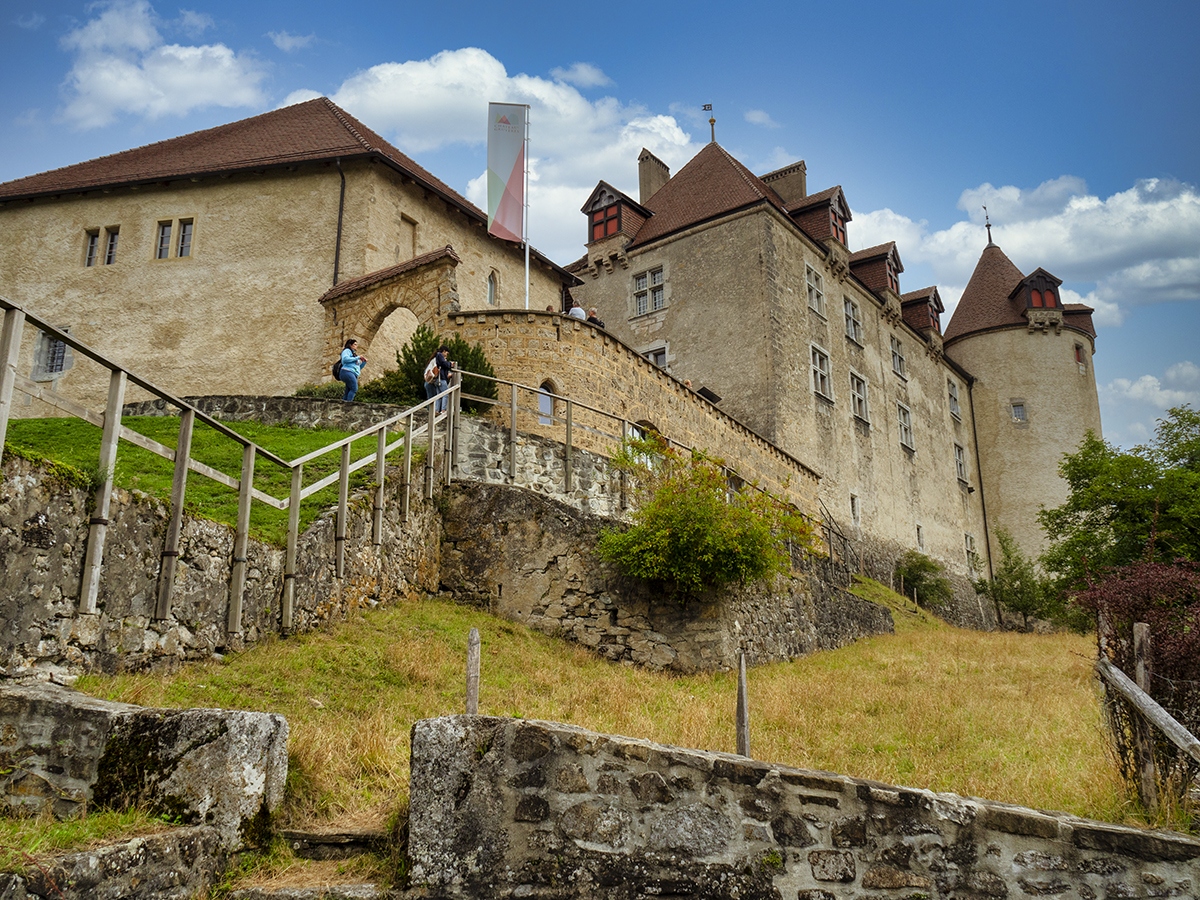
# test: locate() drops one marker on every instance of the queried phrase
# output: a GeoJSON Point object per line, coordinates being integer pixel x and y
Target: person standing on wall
{"type": "Point", "coordinates": [352, 366]}
{"type": "Point", "coordinates": [576, 311]}
{"type": "Point", "coordinates": [437, 376]}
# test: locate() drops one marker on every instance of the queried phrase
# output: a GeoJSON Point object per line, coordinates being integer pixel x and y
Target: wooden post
{"type": "Point", "coordinates": [743, 710]}
{"type": "Point", "coordinates": [512, 435]}
{"type": "Point", "coordinates": [10, 349]}
{"type": "Point", "coordinates": [380, 476]}
{"type": "Point", "coordinates": [406, 475]}
{"type": "Point", "coordinates": [1143, 738]}
{"type": "Point", "coordinates": [473, 673]}
{"type": "Point", "coordinates": [98, 524]}
{"type": "Point", "coordinates": [429, 451]}
{"type": "Point", "coordinates": [624, 491]}
{"type": "Point", "coordinates": [339, 534]}
{"type": "Point", "coordinates": [289, 560]}
{"type": "Point", "coordinates": [241, 537]}
{"type": "Point", "coordinates": [170, 554]}
{"type": "Point", "coordinates": [569, 479]}
{"type": "Point", "coordinates": [456, 406]}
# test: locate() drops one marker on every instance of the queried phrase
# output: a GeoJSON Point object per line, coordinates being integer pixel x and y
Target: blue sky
{"type": "Point", "coordinates": [1076, 124]}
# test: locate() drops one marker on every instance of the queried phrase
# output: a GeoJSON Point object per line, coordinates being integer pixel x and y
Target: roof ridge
{"type": "Point", "coordinates": [755, 183]}
{"type": "Point", "coordinates": [342, 116]}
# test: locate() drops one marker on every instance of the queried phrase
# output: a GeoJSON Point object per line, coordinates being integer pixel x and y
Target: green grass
{"type": "Point", "coordinates": [75, 444]}
{"type": "Point", "coordinates": [1010, 717]}
{"type": "Point", "coordinates": [26, 840]}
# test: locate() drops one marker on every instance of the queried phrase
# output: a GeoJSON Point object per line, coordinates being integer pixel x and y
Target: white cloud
{"type": "Point", "coordinates": [31, 21]}
{"type": "Point", "coordinates": [194, 23]}
{"type": "Point", "coordinates": [429, 104]}
{"type": "Point", "coordinates": [1136, 247]}
{"type": "Point", "coordinates": [123, 66]}
{"type": "Point", "coordinates": [289, 43]}
{"type": "Point", "coordinates": [760, 117]}
{"type": "Point", "coordinates": [583, 75]}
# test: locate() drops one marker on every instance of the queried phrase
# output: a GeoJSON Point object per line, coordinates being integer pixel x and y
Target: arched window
{"type": "Point", "coordinates": [546, 404]}
{"type": "Point", "coordinates": [1035, 298]}
{"type": "Point", "coordinates": [491, 289]}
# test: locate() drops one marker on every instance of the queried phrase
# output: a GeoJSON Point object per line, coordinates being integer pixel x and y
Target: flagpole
{"type": "Point", "coordinates": [525, 212]}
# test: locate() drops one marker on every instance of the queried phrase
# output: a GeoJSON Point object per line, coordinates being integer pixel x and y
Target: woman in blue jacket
{"type": "Point", "coordinates": [352, 365]}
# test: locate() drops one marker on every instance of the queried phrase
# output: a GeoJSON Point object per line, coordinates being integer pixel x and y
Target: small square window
{"type": "Point", "coordinates": [920, 539]}
{"type": "Point", "coordinates": [658, 356]}
{"type": "Point", "coordinates": [649, 291]}
{"type": "Point", "coordinates": [51, 356]}
{"type": "Point", "coordinates": [858, 397]}
{"type": "Point", "coordinates": [960, 462]}
{"type": "Point", "coordinates": [816, 290]}
{"type": "Point", "coordinates": [854, 329]}
{"type": "Point", "coordinates": [1019, 413]}
{"type": "Point", "coordinates": [972, 556]}
{"type": "Point", "coordinates": [855, 509]}
{"type": "Point", "coordinates": [820, 373]}
{"type": "Point", "coordinates": [904, 420]}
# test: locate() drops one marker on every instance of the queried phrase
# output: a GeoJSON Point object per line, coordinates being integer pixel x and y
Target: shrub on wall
{"type": "Point", "coordinates": [692, 529]}
{"type": "Point", "coordinates": [916, 572]}
{"type": "Point", "coordinates": [405, 384]}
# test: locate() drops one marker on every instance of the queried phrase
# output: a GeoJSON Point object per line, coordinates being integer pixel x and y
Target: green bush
{"type": "Point", "coordinates": [405, 384]}
{"type": "Point", "coordinates": [917, 572]}
{"type": "Point", "coordinates": [691, 530]}
{"type": "Point", "coordinates": [329, 390]}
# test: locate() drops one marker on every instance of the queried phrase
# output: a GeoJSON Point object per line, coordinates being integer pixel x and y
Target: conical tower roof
{"type": "Point", "coordinates": [984, 304]}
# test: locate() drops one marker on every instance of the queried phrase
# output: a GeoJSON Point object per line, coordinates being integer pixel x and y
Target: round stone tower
{"type": "Point", "coordinates": [1034, 395]}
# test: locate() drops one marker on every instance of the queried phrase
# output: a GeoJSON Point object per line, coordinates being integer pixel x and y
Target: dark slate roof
{"type": "Point", "coordinates": [826, 196]}
{"type": "Point", "coordinates": [712, 184]}
{"type": "Point", "coordinates": [381, 275]}
{"type": "Point", "coordinates": [984, 303]}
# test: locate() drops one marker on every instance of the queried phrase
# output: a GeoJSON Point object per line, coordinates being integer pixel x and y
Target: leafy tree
{"type": "Point", "coordinates": [691, 530]}
{"type": "Point", "coordinates": [1125, 506]}
{"type": "Point", "coordinates": [1017, 585]}
{"type": "Point", "coordinates": [405, 384]}
{"type": "Point", "coordinates": [917, 572]}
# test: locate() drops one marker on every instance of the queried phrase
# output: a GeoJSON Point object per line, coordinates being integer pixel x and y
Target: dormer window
{"type": "Point", "coordinates": [837, 224]}
{"type": "Point", "coordinates": [934, 322]}
{"type": "Point", "coordinates": [1038, 291]}
{"type": "Point", "coordinates": [893, 277]}
{"type": "Point", "coordinates": [606, 222]}
{"type": "Point", "coordinates": [1043, 298]}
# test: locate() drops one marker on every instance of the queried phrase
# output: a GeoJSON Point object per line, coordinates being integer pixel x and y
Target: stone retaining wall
{"type": "Point", "coordinates": [505, 808]}
{"type": "Point", "coordinates": [43, 533]}
{"type": "Point", "coordinates": [303, 412]}
{"type": "Point", "coordinates": [530, 558]}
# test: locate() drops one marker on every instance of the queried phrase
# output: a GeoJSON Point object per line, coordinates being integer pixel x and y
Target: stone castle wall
{"type": "Point", "coordinates": [518, 808]}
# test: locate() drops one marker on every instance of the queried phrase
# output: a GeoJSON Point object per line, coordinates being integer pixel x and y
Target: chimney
{"type": "Point", "coordinates": [652, 175]}
{"type": "Point", "coordinates": [790, 182]}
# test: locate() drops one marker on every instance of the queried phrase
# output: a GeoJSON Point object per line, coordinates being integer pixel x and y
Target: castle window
{"type": "Point", "coordinates": [934, 322]}
{"type": "Point", "coordinates": [606, 222]}
{"type": "Point", "coordinates": [893, 277]}
{"type": "Point", "coordinates": [858, 397]}
{"type": "Point", "coordinates": [1080, 360]}
{"type": "Point", "coordinates": [110, 246]}
{"type": "Point", "coordinates": [184, 246]}
{"type": "Point", "coordinates": [1019, 413]}
{"type": "Point", "coordinates": [658, 356]}
{"type": "Point", "coordinates": [546, 404]}
{"type": "Point", "coordinates": [960, 462]}
{"type": "Point", "coordinates": [649, 291]}
{"type": "Point", "coordinates": [952, 392]}
{"type": "Point", "coordinates": [904, 420]}
{"type": "Point", "coordinates": [816, 290]}
{"type": "Point", "coordinates": [837, 225]}
{"type": "Point", "coordinates": [972, 556]}
{"type": "Point", "coordinates": [51, 357]}
{"type": "Point", "coordinates": [162, 247]}
{"type": "Point", "coordinates": [491, 289]}
{"type": "Point", "coordinates": [820, 373]}
{"type": "Point", "coordinates": [93, 247]}
{"type": "Point", "coordinates": [898, 365]}
{"type": "Point", "coordinates": [854, 328]}
{"type": "Point", "coordinates": [855, 510]}
{"type": "Point", "coordinates": [1035, 298]}
{"type": "Point", "coordinates": [920, 539]}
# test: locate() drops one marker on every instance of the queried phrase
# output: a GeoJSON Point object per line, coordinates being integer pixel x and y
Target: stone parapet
{"type": "Point", "coordinates": [302, 412]}
{"type": "Point", "coordinates": [506, 808]}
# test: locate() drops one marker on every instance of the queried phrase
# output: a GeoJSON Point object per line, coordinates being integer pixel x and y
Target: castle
{"type": "Point", "coordinates": [235, 260]}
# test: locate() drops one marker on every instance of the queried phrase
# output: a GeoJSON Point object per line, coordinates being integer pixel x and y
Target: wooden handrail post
{"type": "Point", "coordinates": [289, 561]}
{"type": "Point", "coordinates": [624, 485]}
{"type": "Point", "coordinates": [406, 475]}
{"type": "Point", "coordinates": [241, 535]}
{"type": "Point", "coordinates": [380, 477]}
{"type": "Point", "coordinates": [568, 474]}
{"type": "Point", "coordinates": [512, 435]}
{"type": "Point", "coordinates": [10, 349]}
{"type": "Point", "coordinates": [170, 553]}
{"type": "Point", "coordinates": [1143, 739]}
{"type": "Point", "coordinates": [98, 525]}
{"type": "Point", "coordinates": [473, 673]}
{"type": "Point", "coordinates": [448, 437]}
{"type": "Point", "coordinates": [456, 409]}
{"type": "Point", "coordinates": [429, 451]}
{"type": "Point", "coordinates": [743, 709]}
{"type": "Point", "coordinates": [339, 534]}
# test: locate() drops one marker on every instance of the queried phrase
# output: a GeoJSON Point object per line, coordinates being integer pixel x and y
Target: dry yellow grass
{"type": "Point", "coordinates": [1010, 717]}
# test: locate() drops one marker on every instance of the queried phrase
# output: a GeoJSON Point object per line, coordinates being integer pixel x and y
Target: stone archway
{"type": "Point", "coordinates": [426, 286]}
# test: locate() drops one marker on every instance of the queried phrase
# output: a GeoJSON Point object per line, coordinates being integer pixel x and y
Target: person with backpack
{"type": "Point", "coordinates": [349, 367]}
{"type": "Point", "coordinates": [437, 376]}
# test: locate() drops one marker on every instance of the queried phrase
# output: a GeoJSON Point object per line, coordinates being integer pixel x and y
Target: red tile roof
{"type": "Point", "coordinates": [712, 184]}
{"type": "Point", "coordinates": [984, 303]}
{"type": "Point", "coordinates": [380, 275]}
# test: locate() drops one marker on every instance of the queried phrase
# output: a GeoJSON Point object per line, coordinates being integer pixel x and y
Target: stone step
{"type": "Point", "coordinates": [341, 844]}
{"type": "Point", "coordinates": [321, 892]}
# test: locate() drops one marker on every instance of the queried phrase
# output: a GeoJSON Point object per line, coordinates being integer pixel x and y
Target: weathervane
{"type": "Point", "coordinates": [712, 123]}
{"type": "Point", "coordinates": [987, 223]}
